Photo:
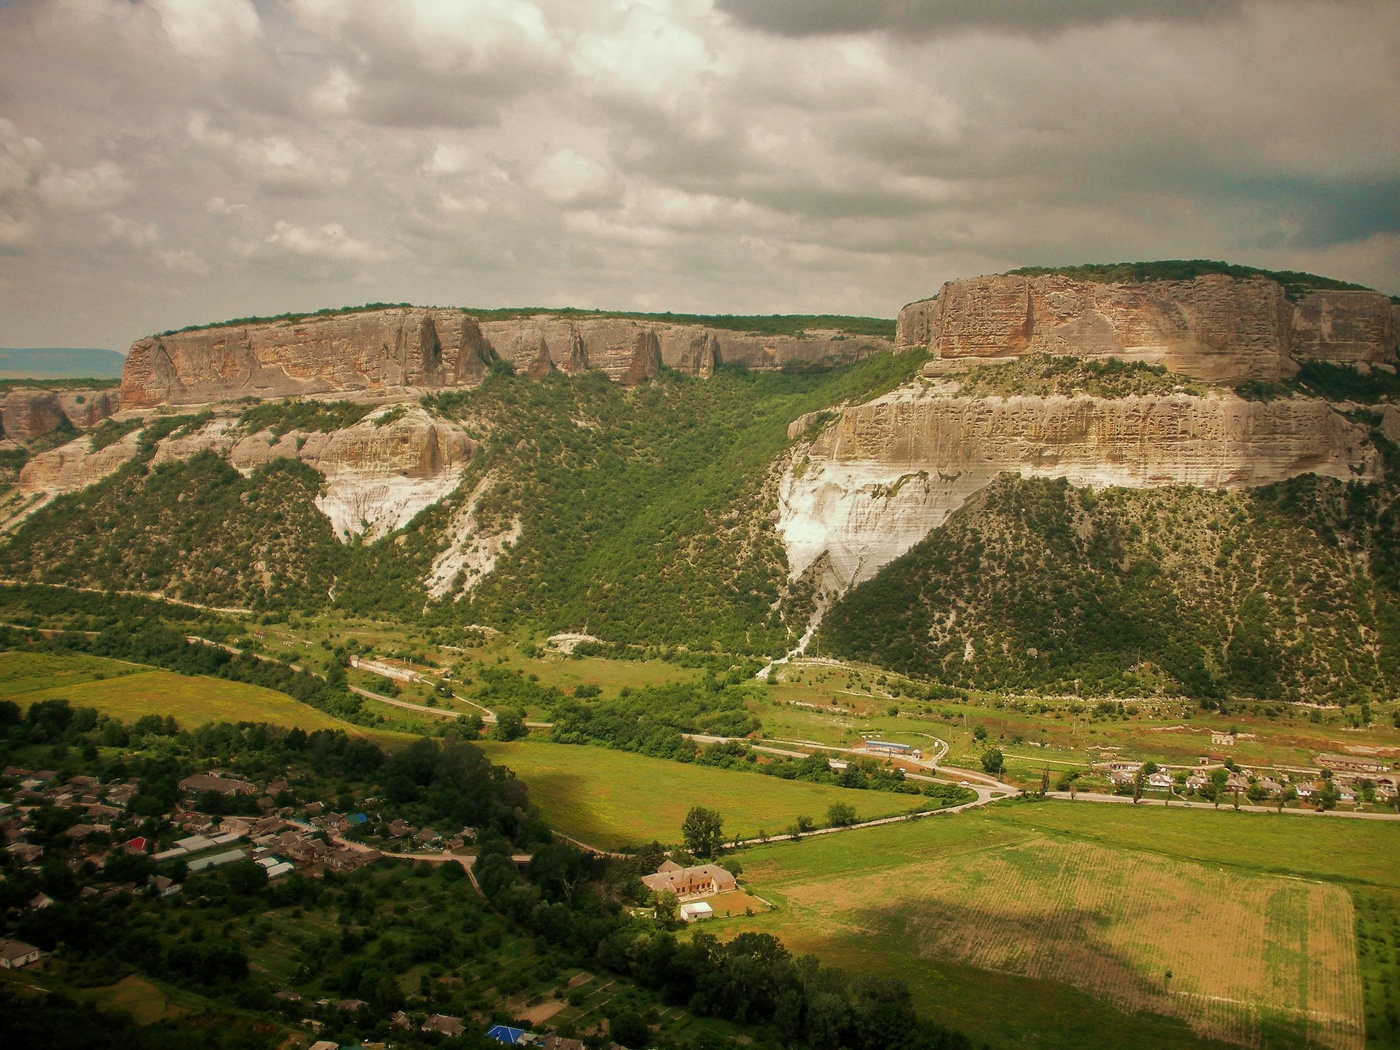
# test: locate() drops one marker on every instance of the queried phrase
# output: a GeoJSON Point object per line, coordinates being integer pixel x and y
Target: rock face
{"type": "Point", "coordinates": [26, 414]}
{"type": "Point", "coordinates": [383, 351]}
{"type": "Point", "coordinates": [886, 473]}
{"type": "Point", "coordinates": [370, 351]}
{"type": "Point", "coordinates": [379, 473]}
{"type": "Point", "coordinates": [1216, 328]}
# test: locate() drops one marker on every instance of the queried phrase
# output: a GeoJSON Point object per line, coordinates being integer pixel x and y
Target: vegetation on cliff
{"type": "Point", "coordinates": [1288, 591]}
{"type": "Point", "coordinates": [195, 530]}
{"type": "Point", "coordinates": [1295, 283]}
{"type": "Point", "coordinates": [1051, 375]}
{"type": "Point", "coordinates": [625, 500]}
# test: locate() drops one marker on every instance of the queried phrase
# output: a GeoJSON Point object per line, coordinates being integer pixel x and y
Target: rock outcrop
{"type": "Point", "coordinates": [27, 413]}
{"type": "Point", "coordinates": [369, 351]}
{"type": "Point", "coordinates": [379, 473]}
{"type": "Point", "coordinates": [380, 352]}
{"type": "Point", "coordinates": [886, 473]}
{"type": "Point", "coordinates": [1215, 328]}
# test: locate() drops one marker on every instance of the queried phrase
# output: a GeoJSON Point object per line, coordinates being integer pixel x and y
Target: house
{"type": "Point", "coordinates": [695, 911]}
{"type": "Point", "coordinates": [558, 1042]}
{"type": "Point", "coordinates": [39, 901]}
{"type": "Point", "coordinates": [401, 1020]}
{"type": "Point", "coordinates": [235, 826]}
{"type": "Point", "coordinates": [324, 1044]}
{"type": "Point", "coordinates": [1160, 780]}
{"type": "Point", "coordinates": [444, 1025]}
{"type": "Point", "coordinates": [505, 1034]}
{"type": "Point", "coordinates": [78, 832]}
{"type": "Point", "coordinates": [229, 786]}
{"type": "Point", "coordinates": [25, 852]}
{"type": "Point", "coordinates": [140, 844]}
{"type": "Point", "coordinates": [162, 886]}
{"type": "Point", "coordinates": [399, 828]}
{"type": "Point", "coordinates": [700, 881]}
{"type": "Point", "coordinates": [426, 836]}
{"type": "Point", "coordinates": [351, 1006]}
{"type": "Point", "coordinates": [14, 954]}
{"type": "Point", "coordinates": [287, 995]}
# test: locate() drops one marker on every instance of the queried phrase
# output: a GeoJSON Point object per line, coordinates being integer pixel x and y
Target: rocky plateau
{"type": "Point", "coordinates": [387, 351]}
{"type": "Point", "coordinates": [1215, 328]}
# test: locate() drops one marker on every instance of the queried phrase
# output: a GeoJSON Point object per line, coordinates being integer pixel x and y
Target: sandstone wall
{"type": "Point", "coordinates": [381, 351]}
{"type": "Point", "coordinates": [1215, 328]}
{"type": "Point", "coordinates": [887, 473]}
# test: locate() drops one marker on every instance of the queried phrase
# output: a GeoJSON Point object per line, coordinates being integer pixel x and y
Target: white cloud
{"type": "Point", "coordinates": [208, 29]}
{"type": "Point", "coordinates": [83, 189]}
{"type": "Point", "coordinates": [574, 180]}
{"type": "Point", "coordinates": [328, 242]}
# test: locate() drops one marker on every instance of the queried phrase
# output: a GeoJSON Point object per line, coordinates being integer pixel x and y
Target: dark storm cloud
{"type": "Point", "coordinates": [934, 17]}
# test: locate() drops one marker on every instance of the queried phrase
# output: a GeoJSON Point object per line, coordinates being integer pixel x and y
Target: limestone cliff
{"type": "Point", "coordinates": [402, 350]}
{"type": "Point", "coordinates": [27, 413]}
{"type": "Point", "coordinates": [886, 473]}
{"type": "Point", "coordinates": [371, 351]}
{"type": "Point", "coordinates": [1214, 327]}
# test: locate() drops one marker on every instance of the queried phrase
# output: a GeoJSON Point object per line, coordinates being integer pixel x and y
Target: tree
{"type": "Point", "coordinates": [703, 831]}
{"type": "Point", "coordinates": [510, 724]}
{"type": "Point", "coordinates": [1288, 793]}
{"type": "Point", "coordinates": [993, 761]}
{"type": "Point", "coordinates": [840, 815]}
{"type": "Point", "coordinates": [979, 733]}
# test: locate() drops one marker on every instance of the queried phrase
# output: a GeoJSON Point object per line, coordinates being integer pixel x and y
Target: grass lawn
{"type": "Point", "coordinates": [1057, 923]}
{"type": "Point", "coordinates": [144, 1001]}
{"type": "Point", "coordinates": [612, 799]}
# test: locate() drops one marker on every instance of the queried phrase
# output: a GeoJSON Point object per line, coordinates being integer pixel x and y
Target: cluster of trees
{"type": "Point", "coordinates": [196, 529]}
{"type": "Point", "coordinates": [651, 720]}
{"type": "Point", "coordinates": [1295, 282]}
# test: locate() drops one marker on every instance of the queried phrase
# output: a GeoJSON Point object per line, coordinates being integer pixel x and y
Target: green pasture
{"type": "Point", "coordinates": [613, 799]}
{"type": "Point", "coordinates": [128, 691]}
{"type": "Point", "coordinates": [892, 900]}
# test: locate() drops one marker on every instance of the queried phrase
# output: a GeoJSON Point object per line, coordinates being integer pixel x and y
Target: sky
{"type": "Point", "coordinates": [174, 162]}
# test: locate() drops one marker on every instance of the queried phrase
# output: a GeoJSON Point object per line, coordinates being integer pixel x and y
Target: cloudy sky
{"type": "Point", "coordinates": [169, 162]}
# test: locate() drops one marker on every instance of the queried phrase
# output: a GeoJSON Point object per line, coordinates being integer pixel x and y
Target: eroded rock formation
{"type": "Point", "coordinates": [1215, 327]}
{"type": "Point", "coordinates": [27, 413]}
{"type": "Point", "coordinates": [404, 349]}
{"type": "Point", "coordinates": [886, 473]}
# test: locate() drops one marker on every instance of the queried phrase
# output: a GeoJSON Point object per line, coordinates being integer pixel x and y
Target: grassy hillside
{"type": "Point", "coordinates": [1288, 591]}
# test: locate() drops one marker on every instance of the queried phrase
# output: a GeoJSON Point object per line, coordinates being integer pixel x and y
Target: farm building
{"type": "Point", "coordinates": [1352, 763]}
{"type": "Point", "coordinates": [700, 881]}
{"type": "Point", "coordinates": [213, 782]}
{"type": "Point", "coordinates": [695, 911]}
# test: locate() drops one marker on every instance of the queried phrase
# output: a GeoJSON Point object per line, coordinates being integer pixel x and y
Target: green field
{"type": "Point", "coordinates": [129, 691]}
{"type": "Point", "coordinates": [612, 799]}
{"type": "Point", "coordinates": [1057, 923]}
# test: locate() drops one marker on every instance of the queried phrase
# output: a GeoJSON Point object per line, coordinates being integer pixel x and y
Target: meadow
{"type": "Point", "coordinates": [612, 799]}
{"type": "Point", "coordinates": [128, 691]}
{"type": "Point", "coordinates": [1074, 921]}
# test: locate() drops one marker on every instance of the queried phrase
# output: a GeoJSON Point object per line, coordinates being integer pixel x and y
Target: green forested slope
{"type": "Point", "coordinates": [642, 514]}
{"type": "Point", "coordinates": [196, 530]}
{"type": "Point", "coordinates": [1286, 591]}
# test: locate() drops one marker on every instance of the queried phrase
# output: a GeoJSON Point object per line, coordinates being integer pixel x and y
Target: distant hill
{"type": "Point", "coordinates": [59, 363]}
